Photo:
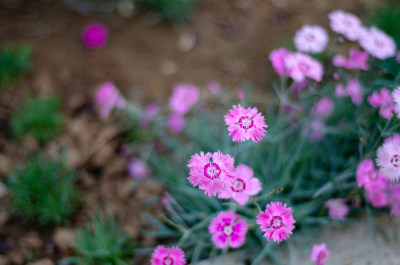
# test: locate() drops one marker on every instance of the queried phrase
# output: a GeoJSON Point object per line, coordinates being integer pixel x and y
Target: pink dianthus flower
{"type": "Point", "coordinates": [378, 43]}
{"type": "Point", "coordinates": [244, 124]}
{"type": "Point", "coordinates": [168, 256]}
{"type": "Point", "coordinates": [138, 169]}
{"type": "Point", "coordinates": [227, 229]}
{"type": "Point", "coordinates": [107, 98]}
{"type": "Point", "coordinates": [319, 254]}
{"type": "Point", "coordinates": [377, 197]}
{"type": "Point", "coordinates": [388, 159]}
{"type": "Point", "coordinates": [353, 89]}
{"type": "Point", "coordinates": [300, 65]}
{"type": "Point", "coordinates": [94, 35]}
{"type": "Point", "coordinates": [214, 87]}
{"type": "Point", "coordinates": [276, 221]}
{"type": "Point", "coordinates": [277, 58]}
{"type": "Point", "coordinates": [396, 101]}
{"type": "Point", "coordinates": [317, 131]}
{"type": "Point", "coordinates": [213, 173]}
{"type": "Point", "coordinates": [346, 24]}
{"type": "Point", "coordinates": [311, 39]}
{"type": "Point", "coordinates": [176, 123]}
{"type": "Point", "coordinates": [369, 177]}
{"type": "Point", "coordinates": [357, 60]}
{"type": "Point", "coordinates": [337, 208]}
{"type": "Point", "coordinates": [184, 96]}
{"type": "Point", "coordinates": [243, 186]}
{"type": "Point", "coordinates": [382, 99]}
{"type": "Point", "coordinates": [323, 107]}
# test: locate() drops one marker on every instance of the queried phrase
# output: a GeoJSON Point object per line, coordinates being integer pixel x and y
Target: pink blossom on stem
{"type": "Point", "coordinates": [94, 35]}
{"type": "Point", "coordinates": [300, 65]}
{"type": "Point", "coordinates": [323, 107]}
{"type": "Point", "coordinates": [176, 122]}
{"type": "Point", "coordinates": [378, 43]}
{"type": "Point", "coordinates": [138, 169]}
{"type": "Point", "coordinates": [311, 39]}
{"type": "Point", "coordinates": [184, 96]}
{"type": "Point", "coordinates": [276, 221]}
{"type": "Point", "coordinates": [107, 98]}
{"type": "Point", "coordinates": [369, 177]}
{"type": "Point", "coordinates": [243, 186]}
{"type": "Point", "coordinates": [396, 101]}
{"type": "Point", "coordinates": [382, 99]}
{"type": "Point", "coordinates": [337, 208]}
{"type": "Point", "coordinates": [317, 131]}
{"type": "Point", "coordinates": [227, 229]}
{"type": "Point", "coordinates": [277, 58]}
{"type": "Point", "coordinates": [240, 94]}
{"type": "Point", "coordinates": [212, 173]}
{"type": "Point", "coordinates": [357, 60]}
{"type": "Point", "coordinates": [377, 197]}
{"type": "Point", "coordinates": [168, 256]}
{"type": "Point", "coordinates": [319, 254]}
{"type": "Point", "coordinates": [353, 89]}
{"type": "Point", "coordinates": [244, 124]}
{"type": "Point", "coordinates": [388, 159]}
{"type": "Point", "coordinates": [346, 24]}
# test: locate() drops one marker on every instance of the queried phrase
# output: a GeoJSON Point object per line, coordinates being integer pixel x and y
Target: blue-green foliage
{"type": "Point", "coordinates": [38, 117]}
{"type": "Point", "coordinates": [172, 10]}
{"type": "Point", "coordinates": [14, 61]}
{"type": "Point", "coordinates": [43, 191]}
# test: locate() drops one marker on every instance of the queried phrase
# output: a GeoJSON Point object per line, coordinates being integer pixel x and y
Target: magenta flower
{"type": "Point", "coordinates": [377, 198]}
{"type": "Point", "coordinates": [323, 107]}
{"type": "Point", "coordinates": [357, 60]}
{"type": "Point", "coordinates": [243, 186]}
{"type": "Point", "coordinates": [214, 87]}
{"type": "Point", "coordinates": [213, 173]}
{"type": "Point", "coordinates": [184, 96]}
{"type": "Point", "coordinates": [107, 98]}
{"type": "Point", "coordinates": [378, 43]}
{"type": "Point", "coordinates": [300, 65]}
{"type": "Point", "coordinates": [311, 39]}
{"type": "Point", "coordinates": [176, 122]}
{"type": "Point", "coordinates": [388, 159]}
{"type": "Point", "coordinates": [346, 24]}
{"type": "Point", "coordinates": [94, 35]}
{"type": "Point", "coordinates": [353, 89]}
{"type": "Point", "coordinates": [319, 254]}
{"type": "Point", "coordinates": [396, 101]}
{"type": "Point", "coordinates": [369, 177]}
{"type": "Point", "coordinates": [244, 124]}
{"type": "Point", "coordinates": [337, 208]}
{"type": "Point", "coordinates": [138, 169]}
{"type": "Point", "coordinates": [277, 58]}
{"type": "Point", "coordinates": [276, 221]}
{"type": "Point", "coordinates": [384, 101]}
{"type": "Point", "coordinates": [227, 229]}
{"type": "Point", "coordinates": [168, 256]}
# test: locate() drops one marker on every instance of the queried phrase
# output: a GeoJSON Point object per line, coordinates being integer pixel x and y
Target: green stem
{"type": "Point", "coordinates": [263, 254]}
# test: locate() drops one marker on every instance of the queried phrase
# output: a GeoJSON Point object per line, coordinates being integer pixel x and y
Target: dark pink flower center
{"type": "Point", "coordinates": [276, 222]}
{"type": "Point", "coordinates": [395, 160]}
{"type": "Point", "coordinates": [239, 185]}
{"type": "Point", "coordinates": [228, 230]}
{"type": "Point", "coordinates": [378, 43]}
{"type": "Point", "coordinates": [310, 37]}
{"type": "Point", "coordinates": [168, 261]}
{"type": "Point", "coordinates": [246, 122]}
{"type": "Point", "coordinates": [212, 170]}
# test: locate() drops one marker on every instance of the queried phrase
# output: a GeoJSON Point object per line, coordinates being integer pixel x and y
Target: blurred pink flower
{"type": "Point", "coordinates": [369, 177]}
{"type": "Point", "coordinates": [323, 107]}
{"type": "Point", "coordinates": [300, 65]}
{"type": "Point", "coordinates": [138, 169]}
{"type": "Point", "coordinates": [213, 173]}
{"type": "Point", "coordinates": [345, 23]}
{"type": "Point", "coordinates": [395, 137]}
{"type": "Point", "coordinates": [377, 197]}
{"type": "Point", "coordinates": [94, 35]}
{"type": "Point", "coordinates": [319, 254]}
{"type": "Point", "coordinates": [337, 208]}
{"type": "Point", "coordinates": [176, 122]}
{"type": "Point", "coordinates": [244, 124]}
{"type": "Point", "coordinates": [388, 159]}
{"type": "Point", "coordinates": [398, 56]}
{"type": "Point", "coordinates": [107, 98]}
{"type": "Point", "coordinates": [168, 256]}
{"type": "Point", "coordinates": [277, 58]}
{"type": "Point", "coordinates": [184, 96]}
{"type": "Point", "coordinates": [317, 128]}
{"type": "Point", "coordinates": [396, 101]}
{"type": "Point", "coordinates": [378, 43]}
{"type": "Point", "coordinates": [243, 186]}
{"type": "Point", "coordinates": [150, 111]}
{"type": "Point", "coordinates": [214, 87]}
{"type": "Point", "coordinates": [357, 60]}
{"type": "Point", "coordinates": [276, 221]}
{"type": "Point", "coordinates": [311, 39]}
{"type": "Point", "coordinates": [240, 94]}
{"type": "Point", "coordinates": [382, 99]}
{"type": "Point", "coordinates": [227, 229]}
{"type": "Point", "coordinates": [353, 89]}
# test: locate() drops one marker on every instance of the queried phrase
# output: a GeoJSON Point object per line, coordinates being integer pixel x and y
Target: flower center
{"type": "Point", "coordinates": [395, 160]}
{"type": "Point", "coordinates": [347, 22]}
{"type": "Point", "coordinates": [212, 170]}
{"type": "Point", "coordinates": [228, 230]}
{"type": "Point", "coordinates": [246, 122]}
{"type": "Point", "coordinates": [168, 261]}
{"type": "Point", "coordinates": [378, 43]}
{"type": "Point", "coordinates": [310, 37]}
{"type": "Point", "coordinates": [304, 67]}
{"type": "Point", "coordinates": [238, 186]}
{"type": "Point", "coordinates": [276, 222]}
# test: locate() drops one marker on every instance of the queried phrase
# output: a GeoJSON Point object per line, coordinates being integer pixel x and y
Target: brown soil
{"type": "Point", "coordinates": [233, 40]}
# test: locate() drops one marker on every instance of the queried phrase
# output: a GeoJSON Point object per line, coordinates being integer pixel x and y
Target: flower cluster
{"type": "Point", "coordinates": [107, 98]}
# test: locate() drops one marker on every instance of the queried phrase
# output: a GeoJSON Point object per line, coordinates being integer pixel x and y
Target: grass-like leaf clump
{"type": "Point", "coordinates": [14, 61]}
{"type": "Point", "coordinates": [38, 117]}
{"type": "Point", "coordinates": [43, 191]}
